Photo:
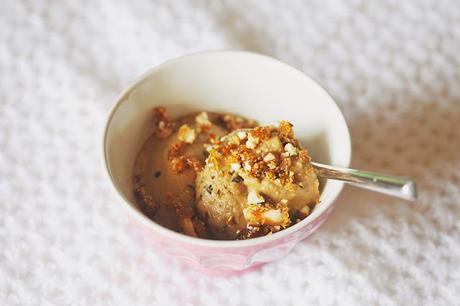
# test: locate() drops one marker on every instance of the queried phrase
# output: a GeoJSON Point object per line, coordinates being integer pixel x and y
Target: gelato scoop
{"type": "Point", "coordinates": [255, 182]}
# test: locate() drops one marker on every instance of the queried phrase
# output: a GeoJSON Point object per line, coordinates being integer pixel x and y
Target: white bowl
{"type": "Point", "coordinates": [249, 84]}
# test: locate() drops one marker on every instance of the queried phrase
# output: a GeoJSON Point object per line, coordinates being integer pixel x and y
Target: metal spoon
{"type": "Point", "coordinates": [397, 186]}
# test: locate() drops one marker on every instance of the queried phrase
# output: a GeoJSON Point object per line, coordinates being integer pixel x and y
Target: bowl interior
{"type": "Point", "coordinates": [249, 84]}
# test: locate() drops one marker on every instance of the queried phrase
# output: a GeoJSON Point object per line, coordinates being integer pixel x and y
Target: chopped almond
{"type": "Point", "coordinates": [274, 144]}
{"type": "Point", "coordinates": [203, 122]}
{"type": "Point", "coordinates": [247, 166]}
{"type": "Point", "coordinates": [269, 157]}
{"type": "Point", "coordinates": [241, 135]}
{"type": "Point", "coordinates": [252, 142]}
{"type": "Point", "coordinates": [276, 216]}
{"type": "Point", "coordinates": [255, 198]}
{"type": "Point", "coordinates": [235, 166]}
{"type": "Point", "coordinates": [304, 211]}
{"type": "Point", "coordinates": [273, 216]}
{"type": "Point", "coordinates": [290, 150]}
{"type": "Point", "coordinates": [186, 134]}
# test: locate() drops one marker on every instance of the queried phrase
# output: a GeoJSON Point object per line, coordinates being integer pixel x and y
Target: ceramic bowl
{"type": "Point", "coordinates": [249, 84]}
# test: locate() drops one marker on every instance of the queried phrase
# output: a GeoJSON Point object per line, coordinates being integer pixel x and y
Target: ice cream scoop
{"type": "Point", "coordinates": [259, 181]}
{"type": "Point", "coordinates": [256, 181]}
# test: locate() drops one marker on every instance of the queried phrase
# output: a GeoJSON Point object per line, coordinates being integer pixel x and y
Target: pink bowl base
{"type": "Point", "coordinates": [224, 260]}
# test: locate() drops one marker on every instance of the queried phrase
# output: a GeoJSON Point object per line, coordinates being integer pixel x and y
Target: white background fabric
{"type": "Point", "coordinates": [392, 66]}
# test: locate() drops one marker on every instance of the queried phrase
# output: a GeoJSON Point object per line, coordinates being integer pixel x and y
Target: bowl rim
{"type": "Point", "coordinates": [170, 234]}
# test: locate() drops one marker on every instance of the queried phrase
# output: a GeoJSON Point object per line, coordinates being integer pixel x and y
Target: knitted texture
{"type": "Point", "coordinates": [392, 66]}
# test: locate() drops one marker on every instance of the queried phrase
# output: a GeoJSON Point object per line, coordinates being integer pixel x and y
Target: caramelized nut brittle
{"type": "Point", "coordinates": [252, 232]}
{"type": "Point", "coordinates": [163, 125]}
{"type": "Point", "coordinates": [233, 122]}
{"type": "Point", "coordinates": [285, 130]}
{"type": "Point", "coordinates": [272, 215]}
{"type": "Point", "coordinates": [261, 153]}
{"type": "Point", "coordinates": [148, 205]}
{"type": "Point", "coordinates": [176, 150]}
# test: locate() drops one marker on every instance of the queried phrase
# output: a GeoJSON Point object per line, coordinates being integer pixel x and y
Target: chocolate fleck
{"type": "Point", "coordinates": [157, 174]}
{"type": "Point", "coordinates": [237, 179]}
{"type": "Point", "coordinates": [191, 189]}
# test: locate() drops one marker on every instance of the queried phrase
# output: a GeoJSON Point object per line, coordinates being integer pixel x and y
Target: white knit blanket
{"type": "Point", "coordinates": [392, 66]}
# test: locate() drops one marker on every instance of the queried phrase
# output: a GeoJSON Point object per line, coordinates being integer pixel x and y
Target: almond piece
{"type": "Point", "coordinates": [235, 166]}
{"type": "Point", "coordinates": [252, 142]}
{"type": "Point", "coordinates": [186, 134]}
{"type": "Point", "coordinates": [305, 211]}
{"type": "Point", "coordinates": [290, 149]}
{"type": "Point", "coordinates": [273, 216]}
{"type": "Point", "coordinates": [255, 198]}
{"type": "Point", "coordinates": [202, 120]}
{"type": "Point", "coordinates": [241, 135]}
{"type": "Point", "coordinates": [269, 157]}
{"type": "Point", "coordinates": [247, 166]}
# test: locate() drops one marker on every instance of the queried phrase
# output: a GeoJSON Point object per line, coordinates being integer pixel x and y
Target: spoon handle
{"type": "Point", "coordinates": [401, 187]}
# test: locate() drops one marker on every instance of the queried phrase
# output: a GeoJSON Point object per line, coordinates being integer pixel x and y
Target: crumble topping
{"type": "Point", "coordinates": [180, 162]}
{"type": "Point", "coordinates": [263, 153]}
{"type": "Point", "coordinates": [163, 125]}
{"type": "Point", "coordinates": [250, 181]}
{"type": "Point", "coordinates": [233, 122]}
{"type": "Point", "coordinates": [274, 216]}
{"type": "Point", "coordinates": [187, 135]}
